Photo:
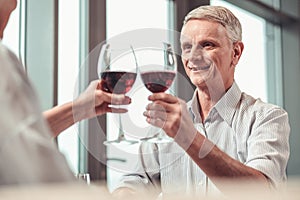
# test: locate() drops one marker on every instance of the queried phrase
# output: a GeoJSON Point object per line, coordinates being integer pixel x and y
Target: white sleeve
{"type": "Point", "coordinates": [145, 174]}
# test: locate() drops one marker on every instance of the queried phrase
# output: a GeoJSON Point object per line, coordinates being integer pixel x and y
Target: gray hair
{"type": "Point", "coordinates": [220, 15]}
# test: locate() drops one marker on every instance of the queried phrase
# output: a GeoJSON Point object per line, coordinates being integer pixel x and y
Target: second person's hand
{"type": "Point", "coordinates": [94, 101]}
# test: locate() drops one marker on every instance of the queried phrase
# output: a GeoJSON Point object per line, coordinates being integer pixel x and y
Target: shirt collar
{"type": "Point", "coordinates": [225, 106]}
{"type": "Point", "coordinates": [194, 109]}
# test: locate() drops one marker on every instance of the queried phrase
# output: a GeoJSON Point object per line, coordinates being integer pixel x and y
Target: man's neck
{"type": "Point", "coordinates": [208, 97]}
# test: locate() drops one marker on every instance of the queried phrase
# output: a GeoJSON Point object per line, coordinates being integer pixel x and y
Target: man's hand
{"type": "Point", "coordinates": [171, 114]}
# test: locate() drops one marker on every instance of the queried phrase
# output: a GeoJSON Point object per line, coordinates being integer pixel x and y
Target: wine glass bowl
{"type": "Point", "coordinates": [117, 82]}
{"type": "Point", "coordinates": [117, 68]}
{"type": "Point", "coordinates": [158, 81]}
{"type": "Point", "coordinates": [158, 74]}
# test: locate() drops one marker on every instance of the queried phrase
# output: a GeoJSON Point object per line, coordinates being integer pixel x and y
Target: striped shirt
{"type": "Point", "coordinates": [249, 130]}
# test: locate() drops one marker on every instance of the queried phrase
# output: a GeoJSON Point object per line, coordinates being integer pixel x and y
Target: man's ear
{"type": "Point", "coordinates": [237, 52]}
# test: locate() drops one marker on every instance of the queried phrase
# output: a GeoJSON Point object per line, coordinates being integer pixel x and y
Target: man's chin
{"type": "Point", "coordinates": [198, 82]}
{"type": "Point", "coordinates": [200, 79]}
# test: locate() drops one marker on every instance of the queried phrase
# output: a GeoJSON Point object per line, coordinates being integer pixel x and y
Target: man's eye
{"type": "Point", "coordinates": [186, 47]}
{"type": "Point", "coordinates": [207, 44]}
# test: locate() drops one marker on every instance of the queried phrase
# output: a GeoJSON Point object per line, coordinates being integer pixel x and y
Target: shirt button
{"type": "Point", "coordinates": [207, 125]}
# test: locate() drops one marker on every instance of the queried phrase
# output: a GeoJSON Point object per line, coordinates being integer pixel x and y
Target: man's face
{"type": "Point", "coordinates": [207, 53]}
{"type": "Point", "coordinates": [6, 7]}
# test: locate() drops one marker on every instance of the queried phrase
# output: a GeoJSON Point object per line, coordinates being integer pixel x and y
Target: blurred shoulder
{"type": "Point", "coordinates": [261, 108]}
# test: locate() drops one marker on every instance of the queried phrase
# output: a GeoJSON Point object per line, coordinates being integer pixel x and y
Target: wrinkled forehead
{"type": "Point", "coordinates": [190, 38]}
{"type": "Point", "coordinates": [197, 30]}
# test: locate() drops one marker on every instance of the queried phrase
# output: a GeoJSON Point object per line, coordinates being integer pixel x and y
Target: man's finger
{"type": "Point", "coordinates": [163, 97]}
{"type": "Point", "coordinates": [156, 115]}
{"type": "Point", "coordinates": [156, 122]}
{"type": "Point", "coordinates": [161, 106]}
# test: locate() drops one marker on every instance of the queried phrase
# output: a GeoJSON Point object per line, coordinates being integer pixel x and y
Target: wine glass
{"type": "Point", "coordinates": [117, 67]}
{"type": "Point", "coordinates": [158, 75]}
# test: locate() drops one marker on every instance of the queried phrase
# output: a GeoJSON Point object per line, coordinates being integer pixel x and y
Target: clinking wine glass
{"type": "Point", "coordinates": [158, 75]}
{"type": "Point", "coordinates": [117, 67]}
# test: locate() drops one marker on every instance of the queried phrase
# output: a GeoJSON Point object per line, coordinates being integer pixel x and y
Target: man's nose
{"type": "Point", "coordinates": [196, 54]}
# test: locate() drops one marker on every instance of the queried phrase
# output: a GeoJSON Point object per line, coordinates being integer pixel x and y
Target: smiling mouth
{"type": "Point", "coordinates": [197, 68]}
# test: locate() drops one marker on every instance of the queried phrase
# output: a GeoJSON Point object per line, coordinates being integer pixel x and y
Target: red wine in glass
{"type": "Point", "coordinates": [117, 82]}
{"type": "Point", "coordinates": [158, 81]}
{"type": "Point", "coordinates": [117, 68]}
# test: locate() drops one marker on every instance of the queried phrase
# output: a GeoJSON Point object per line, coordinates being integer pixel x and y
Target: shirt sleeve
{"type": "Point", "coordinates": [145, 176]}
{"type": "Point", "coordinates": [268, 144]}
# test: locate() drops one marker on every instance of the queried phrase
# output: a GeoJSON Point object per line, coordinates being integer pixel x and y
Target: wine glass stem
{"type": "Point", "coordinates": [121, 132]}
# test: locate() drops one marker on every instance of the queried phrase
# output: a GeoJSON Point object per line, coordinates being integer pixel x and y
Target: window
{"type": "Point", "coordinates": [68, 65]}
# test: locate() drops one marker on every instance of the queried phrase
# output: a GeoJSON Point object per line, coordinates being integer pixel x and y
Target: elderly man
{"type": "Point", "coordinates": [222, 134]}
